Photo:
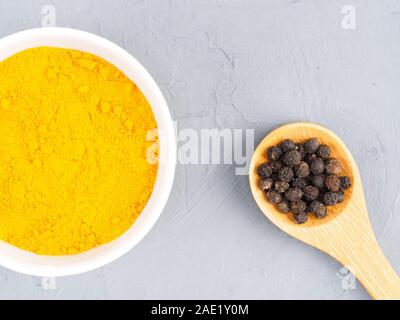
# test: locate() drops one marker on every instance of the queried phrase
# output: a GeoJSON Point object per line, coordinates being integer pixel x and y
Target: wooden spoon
{"type": "Point", "coordinates": [346, 232]}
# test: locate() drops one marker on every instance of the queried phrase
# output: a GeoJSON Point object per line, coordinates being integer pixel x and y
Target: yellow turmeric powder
{"type": "Point", "coordinates": [73, 168]}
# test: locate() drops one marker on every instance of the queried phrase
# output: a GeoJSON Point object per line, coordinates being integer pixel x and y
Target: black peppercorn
{"type": "Point", "coordinates": [324, 151]}
{"type": "Point", "coordinates": [266, 184]}
{"type": "Point", "coordinates": [318, 209]}
{"type": "Point", "coordinates": [291, 158]}
{"type": "Point", "coordinates": [299, 183]}
{"type": "Point", "coordinates": [274, 153]}
{"type": "Point", "coordinates": [301, 150]}
{"type": "Point", "coordinates": [310, 193]}
{"type": "Point", "coordinates": [330, 198]}
{"type": "Point", "coordinates": [318, 181]}
{"type": "Point", "coordinates": [317, 166]}
{"type": "Point", "coordinates": [286, 174]}
{"type": "Point", "coordinates": [302, 170]}
{"type": "Point", "coordinates": [293, 194]}
{"type": "Point", "coordinates": [284, 206]}
{"type": "Point", "coordinates": [274, 197]}
{"type": "Point", "coordinates": [301, 217]}
{"type": "Point", "coordinates": [332, 166]}
{"type": "Point", "coordinates": [287, 145]}
{"type": "Point", "coordinates": [310, 157]}
{"type": "Point", "coordinates": [298, 206]}
{"type": "Point", "coordinates": [281, 186]}
{"type": "Point", "coordinates": [265, 170]}
{"type": "Point", "coordinates": [311, 145]}
{"type": "Point", "coordinates": [276, 165]}
{"type": "Point", "coordinates": [332, 183]}
{"type": "Point", "coordinates": [345, 183]}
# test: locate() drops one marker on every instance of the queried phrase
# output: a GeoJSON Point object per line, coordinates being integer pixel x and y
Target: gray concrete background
{"type": "Point", "coordinates": [243, 64]}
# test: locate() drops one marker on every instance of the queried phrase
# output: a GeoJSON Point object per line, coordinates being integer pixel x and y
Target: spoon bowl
{"type": "Point", "coordinates": [300, 133]}
{"type": "Point", "coordinates": [346, 232]}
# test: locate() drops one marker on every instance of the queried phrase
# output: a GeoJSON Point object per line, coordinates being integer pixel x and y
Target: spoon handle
{"type": "Point", "coordinates": [376, 274]}
{"type": "Point", "coordinates": [360, 253]}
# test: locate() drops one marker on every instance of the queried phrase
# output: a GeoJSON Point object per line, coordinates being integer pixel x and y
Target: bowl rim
{"type": "Point", "coordinates": [30, 263]}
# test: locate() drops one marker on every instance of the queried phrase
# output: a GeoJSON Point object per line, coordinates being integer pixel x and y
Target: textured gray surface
{"type": "Point", "coordinates": [243, 64]}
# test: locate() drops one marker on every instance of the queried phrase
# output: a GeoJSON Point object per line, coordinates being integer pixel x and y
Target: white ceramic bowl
{"type": "Point", "coordinates": [51, 266]}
